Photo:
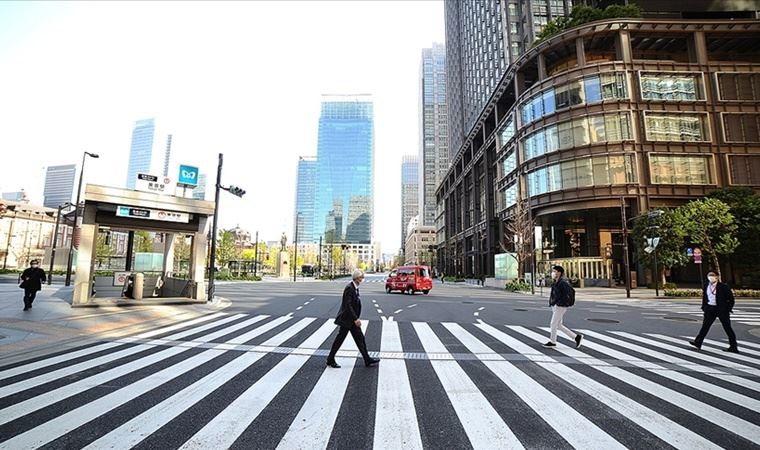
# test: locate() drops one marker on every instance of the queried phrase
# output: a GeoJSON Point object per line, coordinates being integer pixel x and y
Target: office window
{"type": "Point", "coordinates": [671, 86]}
{"type": "Point", "coordinates": [593, 89]}
{"type": "Point", "coordinates": [510, 163]}
{"type": "Point", "coordinates": [580, 132]}
{"type": "Point", "coordinates": [510, 195]}
{"type": "Point", "coordinates": [745, 169]}
{"type": "Point", "coordinates": [552, 138]}
{"type": "Point", "coordinates": [741, 127]}
{"type": "Point", "coordinates": [507, 132]}
{"type": "Point", "coordinates": [680, 169]}
{"type": "Point", "coordinates": [739, 86]}
{"type": "Point", "coordinates": [565, 134]}
{"type": "Point", "coordinates": [548, 100]}
{"type": "Point", "coordinates": [582, 172]}
{"type": "Point", "coordinates": [610, 127]}
{"type": "Point", "coordinates": [675, 127]}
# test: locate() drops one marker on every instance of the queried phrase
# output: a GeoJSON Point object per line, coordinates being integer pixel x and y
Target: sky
{"type": "Point", "coordinates": [240, 78]}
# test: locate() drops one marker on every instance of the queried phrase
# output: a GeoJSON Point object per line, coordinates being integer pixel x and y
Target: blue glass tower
{"type": "Point", "coordinates": [344, 197]}
{"type": "Point", "coordinates": [306, 187]}
{"type": "Point", "coordinates": [141, 150]}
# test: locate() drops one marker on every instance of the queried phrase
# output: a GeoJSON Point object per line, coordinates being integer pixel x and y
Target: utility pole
{"type": "Point", "coordinates": [625, 249]}
{"type": "Point", "coordinates": [319, 258]}
{"type": "Point", "coordinates": [76, 217]}
{"type": "Point", "coordinates": [256, 254]}
{"type": "Point", "coordinates": [295, 250]}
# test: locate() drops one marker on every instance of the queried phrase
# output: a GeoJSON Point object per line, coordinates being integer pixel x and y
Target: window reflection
{"type": "Point", "coordinates": [583, 172]}
{"type": "Point", "coordinates": [676, 127]}
{"type": "Point", "coordinates": [677, 169]}
{"type": "Point", "coordinates": [671, 86]}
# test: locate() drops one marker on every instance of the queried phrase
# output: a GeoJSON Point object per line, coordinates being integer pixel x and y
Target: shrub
{"type": "Point", "coordinates": [517, 286]}
{"type": "Point", "coordinates": [672, 292]}
{"type": "Point", "coordinates": [667, 285]}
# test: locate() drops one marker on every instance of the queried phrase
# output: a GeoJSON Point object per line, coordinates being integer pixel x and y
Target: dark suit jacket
{"type": "Point", "coordinates": [724, 297]}
{"type": "Point", "coordinates": [350, 307]}
{"type": "Point", "coordinates": [32, 279]}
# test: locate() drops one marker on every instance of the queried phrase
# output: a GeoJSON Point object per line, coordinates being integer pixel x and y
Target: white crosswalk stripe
{"type": "Point", "coordinates": [707, 387]}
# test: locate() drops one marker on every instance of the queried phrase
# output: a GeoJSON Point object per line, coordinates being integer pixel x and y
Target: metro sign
{"type": "Point", "coordinates": [188, 176]}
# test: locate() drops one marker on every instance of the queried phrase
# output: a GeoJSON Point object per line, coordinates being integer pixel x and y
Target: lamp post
{"type": "Point", "coordinates": [55, 240]}
{"type": "Point", "coordinates": [344, 247]}
{"type": "Point", "coordinates": [295, 249]}
{"type": "Point", "coordinates": [76, 216]}
{"type": "Point", "coordinates": [256, 254]}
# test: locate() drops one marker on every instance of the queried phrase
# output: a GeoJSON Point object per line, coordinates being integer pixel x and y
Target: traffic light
{"type": "Point", "coordinates": [234, 190]}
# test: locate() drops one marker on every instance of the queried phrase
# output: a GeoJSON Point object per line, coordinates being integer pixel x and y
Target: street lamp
{"type": "Point", "coordinates": [55, 240]}
{"type": "Point", "coordinates": [295, 249]}
{"type": "Point", "coordinates": [76, 216]}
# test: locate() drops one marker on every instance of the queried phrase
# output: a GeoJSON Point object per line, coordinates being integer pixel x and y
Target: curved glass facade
{"type": "Point", "coordinates": [608, 127]}
{"type": "Point", "coordinates": [583, 172]}
{"type": "Point", "coordinates": [344, 208]}
{"type": "Point", "coordinates": [588, 90]}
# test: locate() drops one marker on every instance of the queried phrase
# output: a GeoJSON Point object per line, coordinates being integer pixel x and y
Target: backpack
{"type": "Point", "coordinates": [570, 294]}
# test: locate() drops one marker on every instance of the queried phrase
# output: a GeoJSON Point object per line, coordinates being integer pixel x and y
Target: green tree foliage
{"type": "Point", "coordinates": [671, 251]}
{"type": "Point", "coordinates": [181, 248]}
{"type": "Point", "coordinates": [583, 14]}
{"type": "Point", "coordinates": [225, 248]}
{"type": "Point", "coordinates": [103, 250]}
{"type": "Point", "coordinates": [709, 224]}
{"type": "Point", "coordinates": [248, 254]}
{"type": "Point", "coordinates": [143, 242]}
{"type": "Point", "coordinates": [744, 204]}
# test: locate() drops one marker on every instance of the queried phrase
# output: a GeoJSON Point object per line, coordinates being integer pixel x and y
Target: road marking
{"type": "Point", "coordinates": [476, 313]}
{"type": "Point", "coordinates": [395, 417]}
{"type": "Point", "coordinates": [398, 311]}
{"type": "Point", "coordinates": [481, 308]}
{"type": "Point", "coordinates": [379, 311]}
{"type": "Point", "coordinates": [412, 305]}
{"type": "Point", "coordinates": [299, 308]}
{"type": "Point", "coordinates": [483, 425]}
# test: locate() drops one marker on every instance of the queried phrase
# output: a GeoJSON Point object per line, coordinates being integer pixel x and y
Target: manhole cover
{"type": "Point", "coordinates": [594, 319]}
{"type": "Point", "coordinates": [681, 319]}
{"type": "Point", "coordinates": [469, 303]}
{"type": "Point", "coordinates": [520, 309]}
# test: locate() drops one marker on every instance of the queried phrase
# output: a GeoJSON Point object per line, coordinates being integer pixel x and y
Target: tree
{"type": "Point", "coordinates": [248, 254]}
{"type": "Point", "coordinates": [671, 250]}
{"type": "Point", "coordinates": [103, 250]}
{"type": "Point", "coordinates": [225, 248]}
{"type": "Point", "coordinates": [708, 223]}
{"type": "Point", "coordinates": [583, 14]}
{"type": "Point", "coordinates": [143, 242]}
{"type": "Point", "coordinates": [181, 248]}
{"type": "Point", "coordinates": [744, 205]}
{"type": "Point", "coordinates": [518, 233]}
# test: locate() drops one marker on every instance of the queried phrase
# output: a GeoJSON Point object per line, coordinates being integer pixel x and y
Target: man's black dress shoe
{"type": "Point", "coordinates": [333, 364]}
{"type": "Point", "coordinates": [371, 362]}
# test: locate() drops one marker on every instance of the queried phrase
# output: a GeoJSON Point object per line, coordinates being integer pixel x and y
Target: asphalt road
{"type": "Point", "coordinates": [461, 367]}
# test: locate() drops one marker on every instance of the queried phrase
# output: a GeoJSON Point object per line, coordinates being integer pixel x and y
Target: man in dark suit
{"type": "Point", "coordinates": [348, 320]}
{"type": "Point", "coordinates": [31, 283]}
{"type": "Point", "coordinates": [717, 302]}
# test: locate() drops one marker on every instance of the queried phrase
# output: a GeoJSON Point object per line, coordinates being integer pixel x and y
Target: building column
{"type": "Point", "coordinates": [580, 52]}
{"type": "Point", "coordinates": [198, 261]}
{"type": "Point", "coordinates": [169, 254]}
{"type": "Point", "coordinates": [88, 235]}
{"type": "Point", "coordinates": [698, 48]}
{"type": "Point", "coordinates": [541, 67]}
{"type": "Point", "coordinates": [623, 46]}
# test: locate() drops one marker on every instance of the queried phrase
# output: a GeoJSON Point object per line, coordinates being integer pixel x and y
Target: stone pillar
{"type": "Point", "coordinates": [169, 254]}
{"type": "Point", "coordinates": [85, 257]}
{"type": "Point", "coordinates": [698, 48]}
{"type": "Point", "coordinates": [623, 46]}
{"type": "Point", "coordinates": [541, 67]}
{"type": "Point", "coordinates": [198, 261]}
{"type": "Point", "coordinates": [580, 52]}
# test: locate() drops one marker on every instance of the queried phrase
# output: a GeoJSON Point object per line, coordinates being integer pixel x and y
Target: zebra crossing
{"type": "Point", "coordinates": [745, 314]}
{"type": "Point", "coordinates": [229, 380]}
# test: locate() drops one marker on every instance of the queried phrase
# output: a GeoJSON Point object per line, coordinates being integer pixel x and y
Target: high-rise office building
{"type": "Point", "coordinates": [409, 192]}
{"type": "Point", "coordinates": [199, 193]}
{"type": "Point", "coordinates": [141, 150]}
{"type": "Point", "coordinates": [18, 196]}
{"type": "Point", "coordinates": [481, 42]}
{"type": "Point", "coordinates": [167, 155]}
{"type": "Point", "coordinates": [434, 143]}
{"type": "Point", "coordinates": [59, 184]}
{"type": "Point", "coordinates": [344, 194]}
{"type": "Point", "coordinates": [306, 185]}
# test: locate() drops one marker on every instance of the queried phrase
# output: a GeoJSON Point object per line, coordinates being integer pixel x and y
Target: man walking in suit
{"type": "Point", "coordinates": [717, 302]}
{"type": "Point", "coordinates": [31, 283]}
{"type": "Point", "coordinates": [348, 320]}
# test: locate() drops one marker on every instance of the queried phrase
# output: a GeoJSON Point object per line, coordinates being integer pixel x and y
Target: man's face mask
{"type": "Point", "coordinates": [34, 266]}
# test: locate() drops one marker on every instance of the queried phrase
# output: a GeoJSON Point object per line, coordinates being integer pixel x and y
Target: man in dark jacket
{"type": "Point", "coordinates": [717, 302]}
{"type": "Point", "coordinates": [31, 282]}
{"type": "Point", "coordinates": [559, 300]}
{"type": "Point", "coordinates": [348, 320]}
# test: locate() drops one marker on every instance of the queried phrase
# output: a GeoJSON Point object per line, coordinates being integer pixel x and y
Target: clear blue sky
{"type": "Point", "coordinates": [242, 78]}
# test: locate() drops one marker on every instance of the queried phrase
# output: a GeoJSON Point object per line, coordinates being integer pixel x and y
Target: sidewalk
{"type": "Point", "coordinates": [52, 324]}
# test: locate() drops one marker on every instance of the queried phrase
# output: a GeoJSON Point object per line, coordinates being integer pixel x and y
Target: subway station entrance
{"type": "Point", "coordinates": [109, 207]}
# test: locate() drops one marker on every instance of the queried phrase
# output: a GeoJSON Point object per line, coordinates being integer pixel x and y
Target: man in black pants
{"type": "Point", "coordinates": [31, 282]}
{"type": "Point", "coordinates": [717, 302]}
{"type": "Point", "coordinates": [348, 320]}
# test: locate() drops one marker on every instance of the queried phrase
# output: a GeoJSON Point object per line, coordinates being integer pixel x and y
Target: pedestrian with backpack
{"type": "Point", "coordinates": [561, 298]}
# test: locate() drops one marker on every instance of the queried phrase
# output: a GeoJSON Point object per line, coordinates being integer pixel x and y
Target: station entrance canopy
{"type": "Point", "coordinates": [134, 210]}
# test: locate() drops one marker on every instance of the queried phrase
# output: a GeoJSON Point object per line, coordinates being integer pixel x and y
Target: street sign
{"type": "Point", "coordinates": [697, 255]}
{"type": "Point", "coordinates": [188, 176]}
{"type": "Point", "coordinates": [152, 214]}
{"type": "Point", "coordinates": [151, 183]}
{"type": "Point", "coordinates": [119, 278]}
{"type": "Point", "coordinates": [689, 252]}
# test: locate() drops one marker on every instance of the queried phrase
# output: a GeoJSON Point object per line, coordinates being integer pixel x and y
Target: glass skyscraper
{"type": "Point", "coordinates": [344, 198]}
{"type": "Point", "coordinates": [306, 186]}
{"type": "Point", "coordinates": [141, 151]}
{"type": "Point", "coordinates": [59, 184]}
{"type": "Point", "coordinates": [409, 192]}
{"type": "Point", "coordinates": [434, 145]}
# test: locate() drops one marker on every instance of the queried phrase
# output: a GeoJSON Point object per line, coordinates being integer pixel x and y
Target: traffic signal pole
{"type": "Point", "coordinates": [212, 259]}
